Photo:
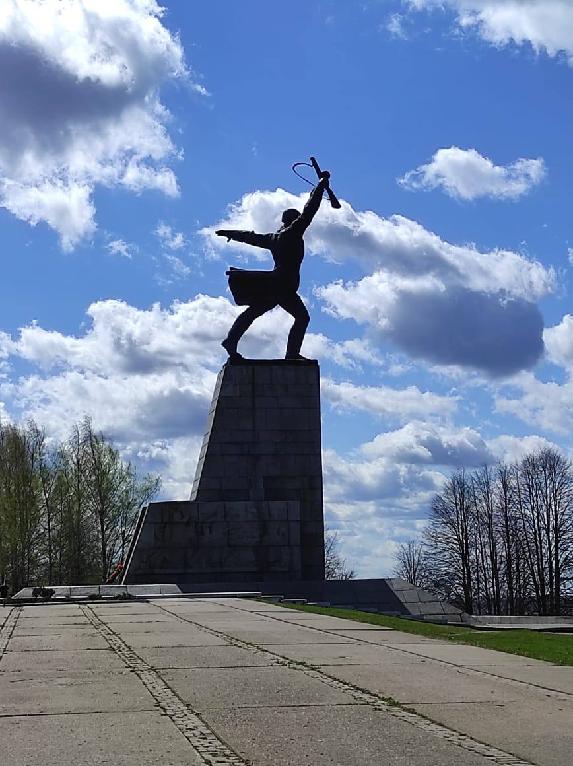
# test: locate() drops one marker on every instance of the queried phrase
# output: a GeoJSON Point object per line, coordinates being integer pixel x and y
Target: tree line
{"type": "Point", "coordinates": [499, 540]}
{"type": "Point", "coordinates": [67, 509]}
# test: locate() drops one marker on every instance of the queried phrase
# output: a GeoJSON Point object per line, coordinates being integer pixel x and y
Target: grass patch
{"type": "Point", "coordinates": [551, 647]}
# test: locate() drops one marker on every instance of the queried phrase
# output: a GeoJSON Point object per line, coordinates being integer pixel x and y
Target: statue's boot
{"type": "Point", "coordinates": [297, 358]}
{"type": "Point", "coordinates": [231, 349]}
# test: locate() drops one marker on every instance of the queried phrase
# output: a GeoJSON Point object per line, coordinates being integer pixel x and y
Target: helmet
{"type": "Point", "coordinates": [289, 216]}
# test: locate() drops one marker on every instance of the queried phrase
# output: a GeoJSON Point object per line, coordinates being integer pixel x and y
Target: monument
{"type": "Point", "coordinates": [255, 512]}
{"type": "Point", "coordinates": [254, 520]}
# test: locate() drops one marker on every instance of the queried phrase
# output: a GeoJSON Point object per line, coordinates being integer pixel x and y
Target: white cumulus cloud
{"type": "Point", "coordinates": [384, 401]}
{"type": "Point", "coordinates": [545, 404]}
{"type": "Point", "coordinates": [464, 174]}
{"type": "Point", "coordinates": [559, 342]}
{"type": "Point", "coordinates": [439, 302]}
{"type": "Point", "coordinates": [420, 442]}
{"type": "Point", "coordinates": [547, 25]}
{"type": "Point", "coordinates": [511, 449]}
{"type": "Point", "coordinates": [79, 105]}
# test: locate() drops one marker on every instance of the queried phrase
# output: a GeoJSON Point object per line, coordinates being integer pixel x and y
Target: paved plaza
{"type": "Point", "coordinates": [226, 681]}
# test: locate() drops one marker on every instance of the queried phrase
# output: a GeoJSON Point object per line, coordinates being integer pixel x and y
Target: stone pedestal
{"type": "Point", "coordinates": [255, 511]}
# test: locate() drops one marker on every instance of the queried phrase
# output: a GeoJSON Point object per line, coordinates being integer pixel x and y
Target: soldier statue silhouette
{"type": "Point", "coordinates": [278, 287]}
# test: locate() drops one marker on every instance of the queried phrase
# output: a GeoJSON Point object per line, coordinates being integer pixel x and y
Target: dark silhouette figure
{"type": "Point", "coordinates": [287, 248]}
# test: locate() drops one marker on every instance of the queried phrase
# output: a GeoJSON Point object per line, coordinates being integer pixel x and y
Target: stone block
{"type": "Point", "coordinates": [211, 534]}
{"type": "Point", "coordinates": [277, 510]}
{"type": "Point", "coordinates": [265, 533]}
{"type": "Point", "coordinates": [211, 511]}
{"type": "Point", "coordinates": [311, 534]}
{"type": "Point", "coordinates": [294, 533]}
{"type": "Point", "coordinates": [173, 535]}
{"type": "Point", "coordinates": [293, 509]}
{"type": "Point", "coordinates": [179, 512]}
{"type": "Point", "coordinates": [165, 560]}
{"type": "Point", "coordinates": [238, 486]}
{"type": "Point", "coordinates": [239, 560]}
{"type": "Point", "coordinates": [236, 418]}
{"type": "Point", "coordinates": [207, 495]}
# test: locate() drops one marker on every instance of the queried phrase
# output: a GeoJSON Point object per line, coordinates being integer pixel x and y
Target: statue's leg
{"type": "Point", "coordinates": [296, 308]}
{"type": "Point", "coordinates": [242, 324]}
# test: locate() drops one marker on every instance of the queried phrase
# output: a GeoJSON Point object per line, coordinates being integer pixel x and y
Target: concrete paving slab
{"type": "Point", "coordinates": [196, 610]}
{"type": "Point", "coordinates": [539, 730]}
{"type": "Point", "coordinates": [40, 693]}
{"type": "Point", "coordinates": [66, 611]}
{"type": "Point", "coordinates": [285, 634]}
{"type": "Point", "coordinates": [195, 605]}
{"type": "Point", "coordinates": [22, 630]}
{"type": "Point", "coordinates": [112, 619]}
{"type": "Point", "coordinates": [292, 615]}
{"type": "Point", "coordinates": [344, 735]}
{"type": "Point", "coordinates": [126, 628]}
{"type": "Point", "coordinates": [57, 643]}
{"type": "Point", "coordinates": [226, 616]}
{"type": "Point", "coordinates": [203, 657]}
{"type": "Point", "coordinates": [239, 622]}
{"type": "Point", "coordinates": [120, 614]}
{"type": "Point", "coordinates": [129, 739]}
{"type": "Point", "coordinates": [97, 659]}
{"type": "Point", "coordinates": [429, 682]}
{"type": "Point", "coordinates": [344, 654]}
{"type": "Point", "coordinates": [57, 619]}
{"type": "Point", "coordinates": [117, 607]}
{"type": "Point", "coordinates": [267, 609]}
{"type": "Point", "coordinates": [247, 605]}
{"type": "Point", "coordinates": [326, 623]}
{"type": "Point", "coordinates": [467, 656]}
{"type": "Point", "coordinates": [388, 637]}
{"type": "Point", "coordinates": [250, 687]}
{"type": "Point", "coordinates": [172, 638]}
{"type": "Point", "coordinates": [548, 676]}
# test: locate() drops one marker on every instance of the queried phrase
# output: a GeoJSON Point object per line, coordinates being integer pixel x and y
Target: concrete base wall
{"type": "Point", "coordinates": [255, 511]}
{"type": "Point", "coordinates": [198, 542]}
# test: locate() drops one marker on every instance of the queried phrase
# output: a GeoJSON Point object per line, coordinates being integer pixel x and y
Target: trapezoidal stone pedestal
{"type": "Point", "coordinates": [255, 511]}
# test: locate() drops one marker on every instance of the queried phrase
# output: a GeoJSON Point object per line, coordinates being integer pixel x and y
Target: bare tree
{"type": "Point", "coordinates": [450, 540]}
{"type": "Point", "coordinates": [335, 566]}
{"type": "Point", "coordinates": [501, 540]}
{"type": "Point", "coordinates": [412, 564]}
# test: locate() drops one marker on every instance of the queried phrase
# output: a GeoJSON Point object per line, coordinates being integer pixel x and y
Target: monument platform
{"type": "Point", "coordinates": [255, 512]}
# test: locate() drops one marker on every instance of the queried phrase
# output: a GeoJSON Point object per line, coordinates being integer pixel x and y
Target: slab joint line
{"type": "Point", "coordinates": [211, 750]}
{"type": "Point", "coordinates": [7, 629]}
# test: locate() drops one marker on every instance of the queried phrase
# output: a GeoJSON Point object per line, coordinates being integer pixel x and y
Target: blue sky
{"type": "Point", "coordinates": [439, 294]}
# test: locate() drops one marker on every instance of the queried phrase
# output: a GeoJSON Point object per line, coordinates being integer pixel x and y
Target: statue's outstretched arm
{"type": "Point", "coordinates": [248, 237]}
